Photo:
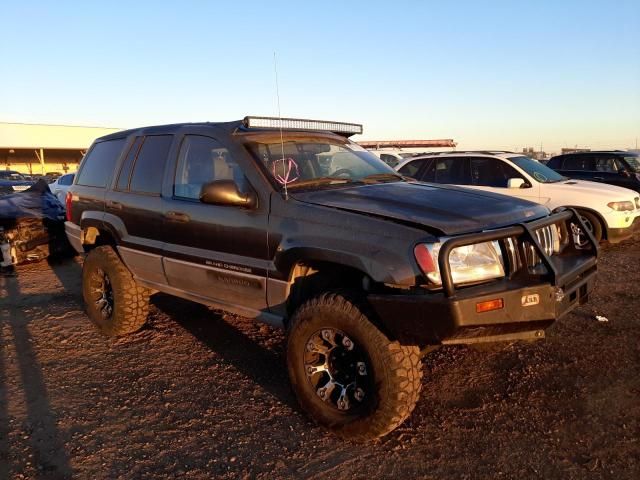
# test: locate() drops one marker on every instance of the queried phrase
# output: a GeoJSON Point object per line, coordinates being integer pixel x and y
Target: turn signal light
{"type": "Point", "coordinates": [495, 304]}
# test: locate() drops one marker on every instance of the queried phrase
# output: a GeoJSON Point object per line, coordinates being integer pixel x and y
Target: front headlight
{"type": "Point", "coordinates": [621, 206]}
{"type": "Point", "coordinates": [470, 263]}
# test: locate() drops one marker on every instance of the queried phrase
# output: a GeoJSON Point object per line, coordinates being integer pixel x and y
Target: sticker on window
{"type": "Point", "coordinates": [285, 171]}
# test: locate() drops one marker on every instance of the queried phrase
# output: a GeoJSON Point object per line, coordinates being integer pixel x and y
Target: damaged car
{"type": "Point", "coordinates": [31, 226]}
{"type": "Point", "coordinates": [290, 222]}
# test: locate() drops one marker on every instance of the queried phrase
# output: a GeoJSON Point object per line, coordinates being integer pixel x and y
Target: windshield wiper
{"type": "Point", "coordinates": [381, 177]}
{"type": "Point", "coordinates": [313, 182]}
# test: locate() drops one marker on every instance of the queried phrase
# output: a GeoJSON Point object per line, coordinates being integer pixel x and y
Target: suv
{"type": "Point", "coordinates": [610, 213]}
{"type": "Point", "coordinates": [289, 222]}
{"type": "Point", "coordinates": [615, 167]}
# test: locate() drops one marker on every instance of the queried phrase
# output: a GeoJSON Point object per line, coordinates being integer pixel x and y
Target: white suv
{"type": "Point", "coordinates": [610, 212]}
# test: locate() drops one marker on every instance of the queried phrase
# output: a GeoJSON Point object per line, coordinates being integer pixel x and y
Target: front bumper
{"type": "Point", "coordinates": [530, 302]}
{"type": "Point", "coordinates": [617, 235]}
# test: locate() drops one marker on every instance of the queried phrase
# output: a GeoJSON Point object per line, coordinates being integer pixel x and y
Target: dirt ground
{"type": "Point", "coordinates": [200, 394]}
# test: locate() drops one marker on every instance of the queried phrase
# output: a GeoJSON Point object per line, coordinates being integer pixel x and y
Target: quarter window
{"type": "Point", "coordinates": [149, 165]}
{"type": "Point", "coordinates": [99, 163]}
{"type": "Point", "coordinates": [203, 160]}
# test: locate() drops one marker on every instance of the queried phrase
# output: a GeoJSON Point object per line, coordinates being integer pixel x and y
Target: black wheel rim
{"type": "Point", "coordinates": [102, 293]}
{"type": "Point", "coordinates": [338, 370]}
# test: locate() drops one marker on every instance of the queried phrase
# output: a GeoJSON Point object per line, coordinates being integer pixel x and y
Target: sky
{"type": "Point", "coordinates": [489, 74]}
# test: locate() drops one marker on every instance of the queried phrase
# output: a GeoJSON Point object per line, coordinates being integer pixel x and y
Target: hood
{"type": "Point", "coordinates": [448, 209]}
{"type": "Point", "coordinates": [595, 190]}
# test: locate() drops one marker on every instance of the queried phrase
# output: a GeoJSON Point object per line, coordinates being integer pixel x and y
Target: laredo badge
{"type": "Point", "coordinates": [529, 300]}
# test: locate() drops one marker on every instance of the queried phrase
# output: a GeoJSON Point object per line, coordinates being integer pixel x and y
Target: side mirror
{"type": "Point", "coordinates": [625, 173]}
{"type": "Point", "coordinates": [517, 183]}
{"type": "Point", "coordinates": [225, 192]}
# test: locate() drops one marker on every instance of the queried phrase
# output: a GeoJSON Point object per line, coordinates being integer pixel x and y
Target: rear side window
{"type": "Point", "coordinates": [450, 170]}
{"type": "Point", "coordinates": [99, 163]}
{"type": "Point", "coordinates": [577, 162]}
{"type": "Point", "coordinates": [125, 170]}
{"type": "Point", "coordinates": [411, 169]}
{"type": "Point", "coordinates": [148, 169]}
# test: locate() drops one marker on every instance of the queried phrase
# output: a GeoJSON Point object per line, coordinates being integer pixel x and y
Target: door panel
{"type": "Point", "coordinates": [137, 204]}
{"type": "Point", "coordinates": [216, 251]}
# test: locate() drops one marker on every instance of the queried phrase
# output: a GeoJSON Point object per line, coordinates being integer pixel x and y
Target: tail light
{"type": "Point", "coordinates": [67, 204]}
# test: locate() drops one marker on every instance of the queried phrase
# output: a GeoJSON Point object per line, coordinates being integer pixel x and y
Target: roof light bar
{"type": "Point", "coordinates": [302, 124]}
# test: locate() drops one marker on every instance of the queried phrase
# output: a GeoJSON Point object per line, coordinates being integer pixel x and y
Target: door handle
{"type": "Point", "coordinates": [177, 216]}
{"type": "Point", "coordinates": [112, 204]}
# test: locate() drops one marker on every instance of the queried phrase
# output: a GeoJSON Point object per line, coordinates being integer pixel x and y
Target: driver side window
{"type": "Point", "coordinates": [203, 160]}
{"type": "Point", "coordinates": [491, 172]}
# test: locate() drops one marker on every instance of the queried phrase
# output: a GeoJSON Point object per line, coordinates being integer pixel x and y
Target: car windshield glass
{"type": "Point", "coordinates": [634, 163]}
{"type": "Point", "coordinates": [537, 170]}
{"type": "Point", "coordinates": [11, 176]}
{"type": "Point", "coordinates": [321, 163]}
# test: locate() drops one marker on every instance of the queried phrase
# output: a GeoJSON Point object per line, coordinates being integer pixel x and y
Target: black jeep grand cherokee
{"type": "Point", "coordinates": [290, 222]}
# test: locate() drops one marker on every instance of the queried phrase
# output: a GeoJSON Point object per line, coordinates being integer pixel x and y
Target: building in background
{"type": "Point", "coordinates": [45, 149]}
{"type": "Point", "coordinates": [538, 155]}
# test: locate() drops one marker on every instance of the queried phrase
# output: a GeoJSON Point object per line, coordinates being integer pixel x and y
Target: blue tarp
{"type": "Point", "coordinates": [35, 202]}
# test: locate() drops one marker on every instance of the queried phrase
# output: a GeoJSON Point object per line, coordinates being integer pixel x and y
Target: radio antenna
{"type": "Point", "coordinates": [275, 70]}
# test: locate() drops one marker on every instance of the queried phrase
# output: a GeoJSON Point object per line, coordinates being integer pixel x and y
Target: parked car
{"type": "Point", "coordinates": [12, 181]}
{"type": "Point", "coordinates": [609, 212]}
{"type": "Point", "coordinates": [615, 167]}
{"type": "Point", "coordinates": [60, 186]}
{"type": "Point", "coordinates": [364, 269]}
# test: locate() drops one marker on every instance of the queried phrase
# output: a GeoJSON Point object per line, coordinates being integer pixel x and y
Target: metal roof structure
{"type": "Point", "coordinates": [36, 136]}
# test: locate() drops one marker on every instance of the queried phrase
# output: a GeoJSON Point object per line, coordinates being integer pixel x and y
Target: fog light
{"type": "Point", "coordinates": [495, 304]}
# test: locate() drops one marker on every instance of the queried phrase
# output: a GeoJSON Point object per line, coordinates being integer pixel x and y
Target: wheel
{"type": "Point", "coordinates": [348, 376]}
{"type": "Point", "coordinates": [343, 171]}
{"type": "Point", "coordinates": [593, 225]}
{"type": "Point", "coordinates": [113, 300]}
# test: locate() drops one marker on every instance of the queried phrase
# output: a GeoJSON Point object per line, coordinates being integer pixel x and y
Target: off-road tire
{"type": "Point", "coordinates": [130, 301]}
{"type": "Point", "coordinates": [396, 369]}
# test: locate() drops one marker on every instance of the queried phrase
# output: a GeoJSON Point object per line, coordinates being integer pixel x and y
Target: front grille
{"type": "Point", "coordinates": [549, 239]}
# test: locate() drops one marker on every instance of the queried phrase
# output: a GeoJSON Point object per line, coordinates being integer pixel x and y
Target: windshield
{"type": "Point", "coordinates": [321, 163]}
{"type": "Point", "coordinates": [634, 163]}
{"type": "Point", "coordinates": [537, 170]}
{"type": "Point", "coordinates": [11, 176]}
